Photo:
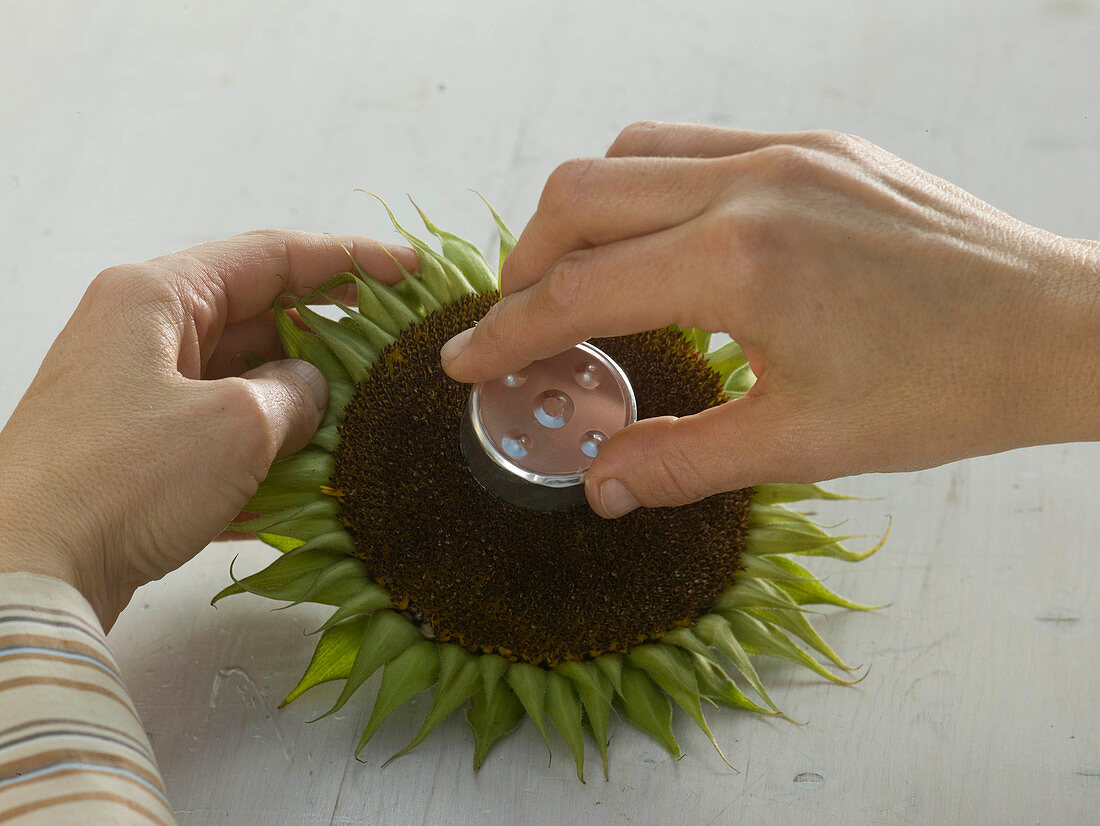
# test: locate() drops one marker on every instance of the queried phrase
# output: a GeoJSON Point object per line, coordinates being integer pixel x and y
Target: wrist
{"type": "Point", "coordinates": [33, 551]}
{"type": "Point", "coordinates": [1065, 346]}
{"type": "Point", "coordinates": [25, 552]}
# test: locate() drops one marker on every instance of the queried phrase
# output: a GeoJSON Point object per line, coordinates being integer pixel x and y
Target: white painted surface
{"type": "Point", "coordinates": [126, 132]}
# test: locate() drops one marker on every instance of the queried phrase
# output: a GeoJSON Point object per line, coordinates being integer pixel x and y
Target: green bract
{"type": "Point", "coordinates": [759, 609]}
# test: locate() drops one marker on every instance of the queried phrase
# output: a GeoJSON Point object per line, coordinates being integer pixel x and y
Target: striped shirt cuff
{"type": "Point", "coordinates": [72, 748]}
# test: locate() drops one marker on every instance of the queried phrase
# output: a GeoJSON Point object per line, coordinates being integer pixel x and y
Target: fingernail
{"type": "Point", "coordinates": [615, 499]}
{"type": "Point", "coordinates": [453, 348]}
{"type": "Point", "coordinates": [315, 380]}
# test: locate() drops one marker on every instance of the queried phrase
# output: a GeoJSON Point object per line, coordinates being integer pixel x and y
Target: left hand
{"type": "Point", "coordinates": [143, 434]}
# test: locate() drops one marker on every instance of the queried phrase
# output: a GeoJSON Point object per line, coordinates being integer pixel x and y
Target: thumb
{"type": "Point", "coordinates": [292, 396]}
{"type": "Point", "coordinates": [675, 461]}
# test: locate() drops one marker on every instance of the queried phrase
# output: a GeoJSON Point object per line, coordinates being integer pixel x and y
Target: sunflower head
{"type": "Point", "coordinates": [505, 611]}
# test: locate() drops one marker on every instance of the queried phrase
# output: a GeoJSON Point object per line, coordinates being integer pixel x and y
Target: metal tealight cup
{"type": "Point", "coordinates": [530, 437]}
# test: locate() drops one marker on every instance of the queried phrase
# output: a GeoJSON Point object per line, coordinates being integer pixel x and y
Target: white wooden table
{"type": "Point", "coordinates": [126, 132]}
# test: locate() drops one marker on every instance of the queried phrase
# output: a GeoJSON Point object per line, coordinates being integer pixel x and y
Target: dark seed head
{"type": "Point", "coordinates": [535, 587]}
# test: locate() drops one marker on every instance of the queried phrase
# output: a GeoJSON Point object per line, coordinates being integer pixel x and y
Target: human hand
{"type": "Point", "coordinates": [893, 321]}
{"type": "Point", "coordinates": [144, 433]}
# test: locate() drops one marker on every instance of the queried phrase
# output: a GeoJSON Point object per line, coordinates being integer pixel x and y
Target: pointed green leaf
{"type": "Point", "coordinates": [778, 493]}
{"type": "Point", "coordinates": [612, 667]}
{"type": "Point", "coordinates": [529, 683]}
{"type": "Point", "coordinates": [685, 638]}
{"type": "Point", "coordinates": [648, 708]}
{"type": "Point", "coordinates": [418, 298]}
{"type": "Point", "coordinates": [301, 344]}
{"type": "Point", "coordinates": [459, 679]}
{"type": "Point", "coordinates": [270, 499]}
{"type": "Point", "coordinates": [768, 567]}
{"type": "Point", "coordinates": [752, 592]}
{"type": "Point", "coordinates": [326, 437]}
{"type": "Point", "coordinates": [491, 718]}
{"type": "Point", "coordinates": [794, 538]}
{"type": "Point", "coordinates": [381, 305]}
{"type": "Point", "coordinates": [564, 710]}
{"type": "Point", "coordinates": [340, 541]}
{"type": "Point", "coordinates": [332, 658]}
{"type": "Point", "coordinates": [765, 515]}
{"type": "Point", "coordinates": [671, 669]}
{"type": "Point", "coordinates": [339, 394]}
{"type": "Point", "coordinates": [758, 637]}
{"type": "Point", "coordinates": [367, 598]}
{"type": "Point", "coordinates": [806, 589]}
{"type": "Point", "coordinates": [303, 522]}
{"type": "Point", "coordinates": [411, 672]}
{"type": "Point", "coordinates": [493, 668]}
{"type": "Point", "coordinates": [229, 590]}
{"type": "Point", "coordinates": [726, 359]}
{"type": "Point", "coordinates": [793, 621]}
{"type": "Point", "coordinates": [305, 470]}
{"type": "Point", "coordinates": [335, 578]}
{"type": "Point", "coordinates": [597, 694]}
{"type": "Point", "coordinates": [283, 544]}
{"type": "Point", "coordinates": [588, 675]}
{"type": "Point", "coordinates": [463, 254]}
{"type": "Point", "coordinates": [287, 577]}
{"type": "Point", "coordinates": [354, 351]}
{"type": "Point", "coordinates": [346, 588]}
{"type": "Point", "coordinates": [507, 239]}
{"type": "Point", "coordinates": [716, 685]}
{"type": "Point", "coordinates": [375, 336]}
{"type": "Point", "coordinates": [740, 381]}
{"type": "Point", "coordinates": [433, 268]}
{"type": "Point", "coordinates": [697, 338]}
{"type": "Point", "coordinates": [386, 636]}
{"type": "Point", "coordinates": [378, 302]}
{"type": "Point", "coordinates": [667, 666]}
{"type": "Point", "coordinates": [716, 631]}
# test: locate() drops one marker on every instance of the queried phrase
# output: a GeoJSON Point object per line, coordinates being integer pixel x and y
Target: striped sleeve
{"type": "Point", "coordinates": [72, 748]}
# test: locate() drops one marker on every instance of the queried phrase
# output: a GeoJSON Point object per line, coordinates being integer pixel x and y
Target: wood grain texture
{"type": "Point", "coordinates": [126, 132]}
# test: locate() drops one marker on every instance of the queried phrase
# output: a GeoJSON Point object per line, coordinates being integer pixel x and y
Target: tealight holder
{"type": "Point", "coordinates": [530, 437]}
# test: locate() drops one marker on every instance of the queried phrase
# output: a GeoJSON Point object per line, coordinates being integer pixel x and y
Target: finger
{"type": "Point", "coordinates": [257, 338]}
{"type": "Point", "coordinates": [292, 396]}
{"type": "Point", "coordinates": [253, 338]}
{"type": "Point", "coordinates": [696, 140]}
{"type": "Point", "coordinates": [668, 461]}
{"type": "Point", "coordinates": [592, 202]}
{"type": "Point", "coordinates": [627, 287]}
{"type": "Point", "coordinates": [227, 282]}
{"type": "Point", "coordinates": [241, 277]}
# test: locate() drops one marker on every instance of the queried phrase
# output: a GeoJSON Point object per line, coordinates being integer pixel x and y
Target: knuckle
{"type": "Point", "coordinates": [256, 442]}
{"type": "Point", "coordinates": [787, 163]}
{"type": "Point", "coordinates": [829, 139]}
{"type": "Point", "coordinates": [128, 286]}
{"type": "Point", "coordinates": [675, 476]}
{"type": "Point", "coordinates": [117, 280]}
{"type": "Point", "coordinates": [565, 185]}
{"type": "Point", "coordinates": [742, 238]}
{"type": "Point", "coordinates": [266, 244]}
{"type": "Point", "coordinates": [270, 234]}
{"type": "Point", "coordinates": [634, 139]}
{"type": "Point", "coordinates": [492, 332]}
{"type": "Point", "coordinates": [564, 285]}
{"type": "Point", "coordinates": [839, 143]}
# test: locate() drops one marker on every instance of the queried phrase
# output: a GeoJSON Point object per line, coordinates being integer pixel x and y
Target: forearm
{"type": "Point", "coordinates": [72, 748]}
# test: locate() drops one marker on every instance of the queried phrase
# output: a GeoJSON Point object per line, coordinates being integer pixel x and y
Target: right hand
{"type": "Point", "coordinates": [894, 321]}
